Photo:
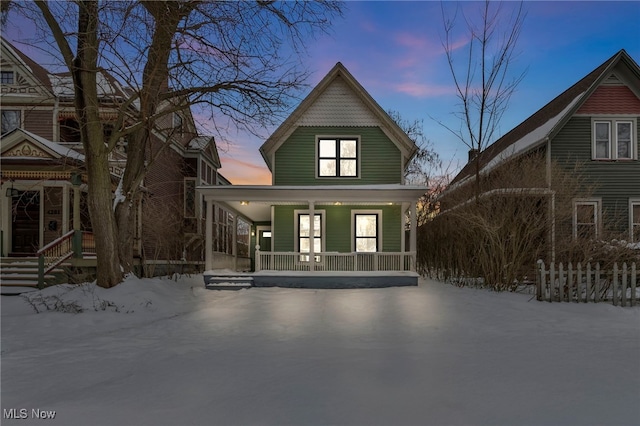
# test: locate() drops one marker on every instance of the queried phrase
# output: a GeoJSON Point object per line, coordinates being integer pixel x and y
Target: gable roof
{"type": "Point", "coordinates": [548, 120]}
{"type": "Point", "coordinates": [36, 70]}
{"type": "Point", "coordinates": [53, 150]}
{"type": "Point", "coordinates": [388, 126]}
{"type": "Point", "coordinates": [206, 145]}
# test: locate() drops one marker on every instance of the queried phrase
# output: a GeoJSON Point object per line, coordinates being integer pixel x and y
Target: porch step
{"type": "Point", "coordinates": [23, 272]}
{"type": "Point", "coordinates": [228, 282]}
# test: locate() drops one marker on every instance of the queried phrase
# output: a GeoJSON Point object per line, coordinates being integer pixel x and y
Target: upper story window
{"type": "Point", "coordinates": [338, 157]}
{"type": "Point", "coordinates": [9, 120]}
{"type": "Point", "coordinates": [613, 140]}
{"type": "Point", "coordinates": [6, 77]}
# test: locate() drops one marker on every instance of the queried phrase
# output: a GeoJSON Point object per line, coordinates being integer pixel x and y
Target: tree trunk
{"type": "Point", "coordinates": [84, 72]}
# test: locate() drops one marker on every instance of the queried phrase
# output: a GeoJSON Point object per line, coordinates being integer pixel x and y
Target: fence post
{"type": "Point", "coordinates": [258, 260]}
{"type": "Point", "coordinates": [541, 279]}
{"type": "Point", "coordinates": [597, 286]}
{"type": "Point", "coordinates": [552, 281]}
{"type": "Point", "coordinates": [41, 271]}
{"type": "Point", "coordinates": [569, 282]}
{"type": "Point", "coordinates": [614, 285]}
{"type": "Point", "coordinates": [633, 284]}
{"type": "Point", "coordinates": [623, 296]}
{"type": "Point", "coordinates": [589, 287]}
{"type": "Point", "coordinates": [579, 283]}
{"type": "Point", "coordinates": [561, 282]}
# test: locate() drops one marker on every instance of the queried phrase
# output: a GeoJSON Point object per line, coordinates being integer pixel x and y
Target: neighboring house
{"type": "Point", "coordinates": [336, 212]}
{"type": "Point", "coordinates": [594, 123]}
{"type": "Point", "coordinates": [44, 184]}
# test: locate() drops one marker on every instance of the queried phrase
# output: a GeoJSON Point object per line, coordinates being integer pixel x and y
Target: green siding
{"type": "Point", "coordinates": [338, 234]}
{"type": "Point", "coordinates": [295, 159]}
{"type": "Point", "coordinates": [614, 181]}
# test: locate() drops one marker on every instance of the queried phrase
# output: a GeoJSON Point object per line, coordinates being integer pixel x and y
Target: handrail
{"type": "Point", "coordinates": [61, 249]}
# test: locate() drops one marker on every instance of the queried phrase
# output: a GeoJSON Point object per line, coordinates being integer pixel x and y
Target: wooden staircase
{"type": "Point", "coordinates": [19, 273]}
{"type": "Point", "coordinates": [230, 281]}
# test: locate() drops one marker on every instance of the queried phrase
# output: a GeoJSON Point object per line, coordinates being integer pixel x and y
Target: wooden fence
{"type": "Point", "coordinates": [560, 283]}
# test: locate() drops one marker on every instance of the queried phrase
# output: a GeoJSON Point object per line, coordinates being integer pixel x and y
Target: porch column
{"type": "Point", "coordinates": [234, 241]}
{"type": "Point", "coordinates": [208, 236]}
{"type": "Point", "coordinates": [312, 256]}
{"type": "Point", "coordinates": [413, 233]}
{"type": "Point", "coordinates": [77, 235]}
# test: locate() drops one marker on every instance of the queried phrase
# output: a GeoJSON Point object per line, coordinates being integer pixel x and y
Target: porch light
{"type": "Point", "coordinates": [337, 203]}
{"type": "Point", "coordinates": [244, 203]}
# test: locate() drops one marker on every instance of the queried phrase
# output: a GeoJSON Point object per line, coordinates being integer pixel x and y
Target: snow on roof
{"type": "Point", "coordinates": [527, 142]}
{"type": "Point", "coordinates": [199, 142]}
{"type": "Point", "coordinates": [63, 86]}
{"type": "Point", "coordinates": [55, 147]}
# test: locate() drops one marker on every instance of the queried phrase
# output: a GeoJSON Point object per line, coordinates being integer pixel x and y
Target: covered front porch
{"type": "Point", "coordinates": [337, 231]}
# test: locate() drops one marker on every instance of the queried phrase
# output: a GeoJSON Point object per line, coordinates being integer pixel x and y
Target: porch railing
{"type": "Point", "coordinates": [59, 250]}
{"type": "Point", "coordinates": [328, 261]}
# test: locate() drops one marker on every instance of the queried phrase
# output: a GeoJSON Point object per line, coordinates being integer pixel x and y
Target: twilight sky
{"type": "Point", "coordinates": [394, 50]}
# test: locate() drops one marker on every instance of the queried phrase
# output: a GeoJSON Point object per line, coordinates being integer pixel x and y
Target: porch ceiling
{"type": "Point", "coordinates": [255, 201]}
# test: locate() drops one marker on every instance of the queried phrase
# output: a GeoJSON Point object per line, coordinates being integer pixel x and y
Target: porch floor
{"type": "Point", "coordinates": [319, 279]}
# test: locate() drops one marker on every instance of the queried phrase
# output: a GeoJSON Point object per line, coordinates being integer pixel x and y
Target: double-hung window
{"type": "Point", "coordinates": [338, 157]}
{"type": "Point", "coordinates": [304, 235]}
{"type": "Point", "coordinates": [586, 219]}
{"type": "Point", "coordinates": [366, 232]}
{"type": "Point", "coordinates": [634, 220]}
{"type": "Point", "coordinates": [613, 139]}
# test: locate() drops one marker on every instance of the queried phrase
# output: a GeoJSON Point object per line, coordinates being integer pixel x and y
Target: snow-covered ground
{"type": "Point", "coordinates": [172, 353]}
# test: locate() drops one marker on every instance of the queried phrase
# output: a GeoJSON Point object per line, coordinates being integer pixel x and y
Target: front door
{"type": "Point", "coordinates": [25, 226]}
{"type": "Point", "coordinates": [264, 239]}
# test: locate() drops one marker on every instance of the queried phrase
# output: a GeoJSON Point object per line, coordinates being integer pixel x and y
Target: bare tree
{"type": "Point", "coordinates": [240, 59]}
{"type": "Point", "coordinates": [482, 71]}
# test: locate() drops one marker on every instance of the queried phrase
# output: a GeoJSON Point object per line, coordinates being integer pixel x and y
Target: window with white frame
{"type": "Point", "coordinates": [338, 157]}
{"type": "Point", "coordinates": [613, 139]}
{"type": "Point", "coordinates": [9, 120]}
{"type": "Point", "coordinates": [586, 219]}
{"type": "Point", "coordinates": [303, 222]}
{"type": "Point", "coordinates": [366, 232]}
{"type": "Point", "coordinates": [634, 220]}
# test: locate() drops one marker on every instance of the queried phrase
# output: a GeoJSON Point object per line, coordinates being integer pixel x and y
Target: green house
{"type": "Point", "coordinates": [594, 126]}
{"type": "Point", "coordinates": [338, 212]}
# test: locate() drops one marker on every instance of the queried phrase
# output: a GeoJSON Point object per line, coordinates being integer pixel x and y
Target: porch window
{"type": "Point", "coordinates": [366, 233]}
{"type": "Point", "coordinates": [338, 157]}
{"type": "Point", "coordinates": [613, 140]}
{"type": "Point", "coordinates": [304, 235]}
{"type": "Point", "coordinates": [634, 220]}
{"type": "Point", "coordinates": [586, 218]}
{"type": "Point", "coordinates": [9, 120]}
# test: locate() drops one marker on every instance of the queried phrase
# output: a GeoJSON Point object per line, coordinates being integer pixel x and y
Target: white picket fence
{"type": "Point", "coordinates": [569, 283]}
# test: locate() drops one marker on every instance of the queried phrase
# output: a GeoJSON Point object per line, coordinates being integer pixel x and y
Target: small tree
{"type": "Point", "coordinates": [483, 78]}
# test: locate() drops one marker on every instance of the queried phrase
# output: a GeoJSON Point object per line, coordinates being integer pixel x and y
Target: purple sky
{"type": "Point", "coordinates": [393, 49]}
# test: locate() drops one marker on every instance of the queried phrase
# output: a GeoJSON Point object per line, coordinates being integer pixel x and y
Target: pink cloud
{"type": "Point", "coordinates": [411, 40]}
{"type": "Point", "coordinates": [421, 90]}
{"type": "Point", "coordinates": [241, 172]}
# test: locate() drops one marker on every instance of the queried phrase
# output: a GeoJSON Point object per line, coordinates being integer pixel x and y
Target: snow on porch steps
{"type": "Point", "coordinates": [215, 280]}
